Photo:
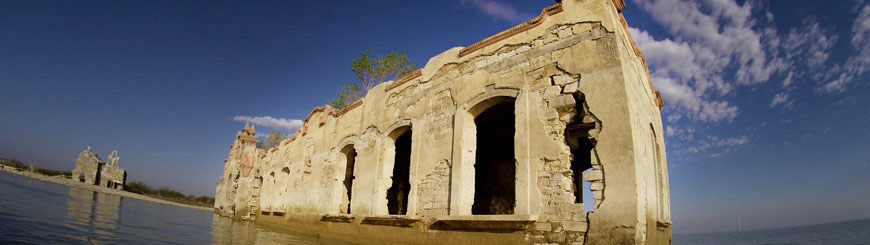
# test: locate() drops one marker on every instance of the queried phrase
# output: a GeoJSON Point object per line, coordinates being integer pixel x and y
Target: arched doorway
{"type": "Point", "coordinates": [350, 155]}
{"type": "Point", "coordinates": [495, 166]}
{"type": "Point", "coordinates": [397, 194]}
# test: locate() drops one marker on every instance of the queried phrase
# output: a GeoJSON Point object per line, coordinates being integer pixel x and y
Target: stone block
{"type": "Point", "coordinates": [561, 101]}
{"type": "Point", "coordinates": [552, 91]}
{"type": "Point", "coordinates": [593, 175]}
{"type": "Point", "coordinates": [571, 208]}
{"type": "Point", "coordinates": [550, 114]}
{"type": "Point", "coordinates": [562, 79]}
{"type": "Point", "coordinates": [597, 195]}
{"type": "Point", "coordinates": [542, 226]}
{"type": "Point", "coordinates": [574, 226]}
{"type": "Point", "coordinates": [597, 186]}
{"type": "Point", "coordinates": [571, 88]}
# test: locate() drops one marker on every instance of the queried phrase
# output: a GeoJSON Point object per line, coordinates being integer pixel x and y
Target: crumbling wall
{"type": "Point", "coordinates": [434, 191]}
{"type": "Point", "coordinates": [571, 75]}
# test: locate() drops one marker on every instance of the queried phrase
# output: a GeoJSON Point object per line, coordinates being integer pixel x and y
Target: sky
{"type": "Point", "coordinates": [766, 107]}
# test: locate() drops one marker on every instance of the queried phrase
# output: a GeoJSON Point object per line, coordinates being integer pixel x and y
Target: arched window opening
{"type": "Point", "coordinates": [349, 154]}
{"type": "Point", "coordinates": [397, 194]}
{"type": "Point", "coordinates": [495, 165]}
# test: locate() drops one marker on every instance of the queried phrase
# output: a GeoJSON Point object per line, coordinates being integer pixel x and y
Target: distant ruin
{"type": "Point", "coordinates": [91, 169]}
{"type": "Point", "coordinates": [490, 143]}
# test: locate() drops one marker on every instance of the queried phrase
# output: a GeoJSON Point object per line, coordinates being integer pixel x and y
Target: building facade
{"type": "Point", "coordinates": [488, 143]}
{"type": "Point", "coordinates": [89, 168]}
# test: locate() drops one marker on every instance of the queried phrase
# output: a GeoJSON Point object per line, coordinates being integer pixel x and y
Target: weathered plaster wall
{"type": "Point", "coordinates": [574, 66]}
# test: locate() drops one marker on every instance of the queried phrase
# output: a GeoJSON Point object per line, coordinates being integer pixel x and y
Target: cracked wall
{"type": "Point", "coordinates": [580, 95]}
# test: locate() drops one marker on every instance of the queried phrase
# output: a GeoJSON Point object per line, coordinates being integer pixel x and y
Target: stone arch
{"type": "Point", "coordinates": [468, 188]}
{"type": "Point", "coordinates": [489, 98]}
{"type": "Point", "coordinates": [398, 161]}
{"type": "Point", "coordinates": [347, 157]}
{"type": "Point", "coordinates": [398, 125]}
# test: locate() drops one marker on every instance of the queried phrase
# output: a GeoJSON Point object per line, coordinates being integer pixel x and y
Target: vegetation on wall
{"type": "Point", "coordinates": [272, 139]}
{"type": "Point", "coordinates": [369, 73]}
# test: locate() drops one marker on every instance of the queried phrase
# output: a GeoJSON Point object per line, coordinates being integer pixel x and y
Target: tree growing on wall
{"type": "Point", "coordinates": [348, 94]}
{"type": "Point", "coordinates": [272, 139]}
{"type": "Point", "coordinates": [371, 72]}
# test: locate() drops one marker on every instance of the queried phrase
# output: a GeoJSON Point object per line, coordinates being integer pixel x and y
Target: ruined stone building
{"type": "Point", "coordinates": [91, 169]}
{"type": "Point", "coordinates": [488, 143]}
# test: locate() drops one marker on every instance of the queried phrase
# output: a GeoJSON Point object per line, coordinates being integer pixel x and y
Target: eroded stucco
{"type": "Point", "coordinates": [571, 75]}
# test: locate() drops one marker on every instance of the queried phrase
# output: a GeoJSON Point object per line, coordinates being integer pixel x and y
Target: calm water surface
{"type": "Point", "coordinates": [37, 212]}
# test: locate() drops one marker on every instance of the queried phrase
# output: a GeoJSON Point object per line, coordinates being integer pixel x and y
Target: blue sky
{"type": "Point", "coordinates": [766, 109]}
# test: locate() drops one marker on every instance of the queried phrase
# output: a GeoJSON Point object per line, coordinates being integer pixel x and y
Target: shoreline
{"type": "Point", "coordinates": [70, 183]}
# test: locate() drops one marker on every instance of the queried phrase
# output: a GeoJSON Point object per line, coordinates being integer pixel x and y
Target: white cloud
{"type": "Point", "coordinates": [780, 98]}
{"type": "Point", "coordinates": [718, 45]}
{"type": "Point", "coordinates": [856, 64]}
{"type": "Point", "coordinates": [498, 10]}
{"type": "Point", "coordinates": [680, 79]}
{"type": "Point", "coordinates": [717, 146]}
{"type": "Point", "coordinates": [720, 33]}
{"type": "Point", "coordinates": [271, 122]}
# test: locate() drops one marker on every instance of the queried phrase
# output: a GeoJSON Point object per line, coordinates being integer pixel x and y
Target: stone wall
{"type": "Point", "coordinates": [583, 110]}
{"type": "Point", "coordinates": [89, 168]}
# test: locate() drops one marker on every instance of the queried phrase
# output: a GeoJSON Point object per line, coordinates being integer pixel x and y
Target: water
{"type": "Point", "coordinates": [849, 232]}
{"type": "Point", "coordinates": [37, 212]}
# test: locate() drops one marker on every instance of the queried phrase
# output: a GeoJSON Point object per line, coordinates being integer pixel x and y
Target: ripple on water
{"type": "Point", "coordinates": [37, 212]}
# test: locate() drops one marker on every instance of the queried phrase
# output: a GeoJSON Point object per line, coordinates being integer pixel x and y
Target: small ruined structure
{"type": "Point", "coordinates": [91, 169]}
{"type": "Point", "coordinates": [488, 143]}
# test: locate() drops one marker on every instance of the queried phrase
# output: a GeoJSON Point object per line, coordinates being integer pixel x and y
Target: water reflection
{"type": "Point", "coordinates": [94, 215]}
{"type": "Point", "coordinates": [35, 212]}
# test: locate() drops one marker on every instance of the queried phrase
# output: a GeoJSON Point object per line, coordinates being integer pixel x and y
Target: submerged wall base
{"type": "Point", "coordinates": [421, 232]}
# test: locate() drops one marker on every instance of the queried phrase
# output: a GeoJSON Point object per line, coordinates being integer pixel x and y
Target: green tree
{"type": "Point", "coordinates": [371, 72]}
{"type": "Point", "coordinates": [348, 94]}
{"type": "Point", "coordinates": [272, 139]}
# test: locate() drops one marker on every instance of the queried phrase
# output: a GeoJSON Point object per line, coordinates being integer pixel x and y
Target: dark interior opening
{"type": "Point", "coordinates": [99, 173]}
{"type": "Point", "coordinates": [495, 166]}
{"type": "Point", "coordinates": [577, 138]}
{"type": "Point", "coordinates": [350, 154]}
{"type": "Point", "coordinates": [397, 195]}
